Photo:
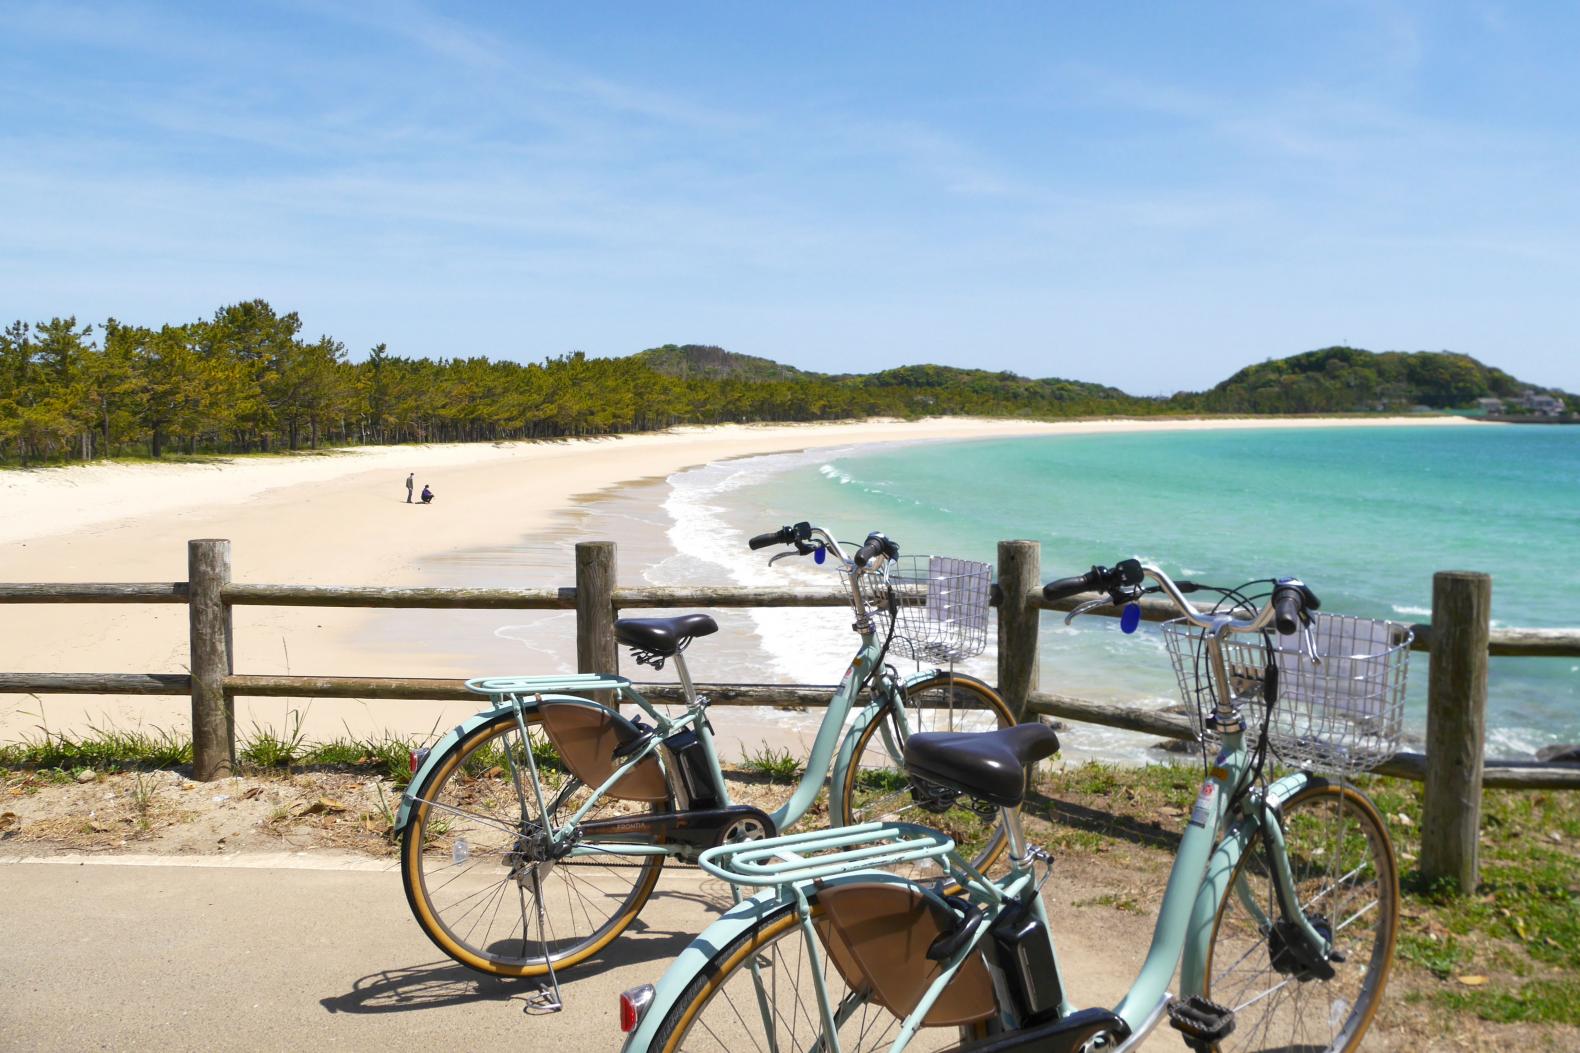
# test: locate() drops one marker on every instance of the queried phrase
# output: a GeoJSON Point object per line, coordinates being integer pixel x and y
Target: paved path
{"type": "Point", "coordinates": [314, 951]}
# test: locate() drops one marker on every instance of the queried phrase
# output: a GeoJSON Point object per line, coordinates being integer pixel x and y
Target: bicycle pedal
{"type": "Point", "coordinates": [1204, 1024]}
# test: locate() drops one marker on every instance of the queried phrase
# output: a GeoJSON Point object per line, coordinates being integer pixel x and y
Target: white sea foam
{"type": "Point", "coordinates": [1519, 743]}
{"type": "Point", "coordinates": [532, 637]}
{"type": "Point", "coordinates": [802, 645]}
{"type": "Point", "coordinates": [1413, 612]}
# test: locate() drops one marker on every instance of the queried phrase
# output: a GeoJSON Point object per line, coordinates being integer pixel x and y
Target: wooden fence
{"type": "Point", "coordinates": [1459, 639]}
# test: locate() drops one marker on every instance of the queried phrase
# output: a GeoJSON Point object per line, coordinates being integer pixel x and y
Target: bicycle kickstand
{"type": "Point", "coordinates": [547, 997]}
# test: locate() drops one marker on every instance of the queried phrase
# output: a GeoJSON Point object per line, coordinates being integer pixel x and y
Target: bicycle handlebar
{"type": "Point", "coordinates": [764, 540]}
{"type": "Point", "coordinates": [1064, 588]}
{"type": "Point", "coordinates": [800, 535]}
{"type": "Point", "coordinates": [1292, 598]}
{"type": "Point", "coordinates": [1293, 602]}
{"type": "Point", "coordinates": [876, 545]}
{"type": "Point", "coordinates": [1119, 581]}
{"type": "Point", "coordinates": [1213, 622]}
{"type": "Point", "coordinates": [809, 540]}
{"type": "Point", "coordinates": [1286, 611]}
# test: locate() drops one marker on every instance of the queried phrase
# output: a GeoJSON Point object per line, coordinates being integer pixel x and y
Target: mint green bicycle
{"type": "Point", "coordinates": [533, 833]}
{"type": "Point", "coordinates": [1280, 913]}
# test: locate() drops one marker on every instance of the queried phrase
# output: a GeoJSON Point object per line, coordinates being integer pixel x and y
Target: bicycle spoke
{"type": "Point", "coordinates": [1339, 859]}
{"type": "Point", "coordinates": [486, 820]}
{"type": "Point", "coordinates": [1347, 922]}
{"type": "Point", "coordinates": [472, 838]}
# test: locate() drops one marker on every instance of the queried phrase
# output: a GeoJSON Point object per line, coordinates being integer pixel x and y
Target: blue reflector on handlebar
{"type": "Point", "coordinates": [1130, 617]}
{"type": "Point", "coordinates": [817, 557]}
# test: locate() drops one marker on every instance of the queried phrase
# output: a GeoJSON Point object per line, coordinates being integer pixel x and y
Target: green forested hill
{"type": "Point", "coordinates": [918, 386]}
{"type": "Point", "coordinates": [1348, 379]}
{"type": "Point", "coordinates": [705, 360]}
{"type": "Point", "coordinates": [247, 379]}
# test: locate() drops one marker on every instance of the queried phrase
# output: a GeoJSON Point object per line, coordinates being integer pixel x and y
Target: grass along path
{"type": "Point", "coordinates": [1498, 967]}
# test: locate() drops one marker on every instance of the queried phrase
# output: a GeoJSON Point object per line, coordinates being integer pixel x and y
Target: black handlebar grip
{"type": "Point", "coordinates": [870, 548]}
{"type": "Point", "coordinates": [764, 540]}
{"type": "Point", "coordinates": [1288, 601]}
{"type": "Point", "coordinates": [1067, 587]}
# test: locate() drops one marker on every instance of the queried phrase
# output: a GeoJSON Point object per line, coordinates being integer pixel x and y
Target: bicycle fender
{"type": "Point", "coordinates": [695, 958]}
{"type": "Point", "coordinates": [456, 734]}
{"type": "Point", "coordinates": [847, 747]}
{"type": "Point", "coordinates": [1215, 883]}
{"type": "Point", "coordinates": [719, 935]}
{"type": "Point", "coordinates": [932, 674]}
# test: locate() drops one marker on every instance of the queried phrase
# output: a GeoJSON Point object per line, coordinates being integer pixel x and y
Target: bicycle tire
{"type": "Point", "coordinates": [738, 1024]}
{"type": "Point", "coordinates": [454, 888]}
{"type": "Point", "coordinates": [874, 762]}
{"type": "Point", "coordinates": [1344, 868]}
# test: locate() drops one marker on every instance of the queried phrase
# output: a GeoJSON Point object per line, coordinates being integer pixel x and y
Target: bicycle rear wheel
{"type": "Point", "coordinates": [876, 785]}
{"type": "Point", "coordinates": [759, 994]}
{"type": "Point", "coordinates": [475, 876]}
{"type": "Point", "coordinates": [1348, 885]}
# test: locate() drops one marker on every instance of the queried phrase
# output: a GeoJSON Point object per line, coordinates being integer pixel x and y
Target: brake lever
{"type": "Point", "coordinates": [783, 555]}
{"type": "Point", "coordinates": [1311, 641]}
{"type": "Point", "coordinates": [1089, 605]}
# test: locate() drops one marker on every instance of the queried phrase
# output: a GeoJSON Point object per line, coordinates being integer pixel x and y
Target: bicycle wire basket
{"type": "Point", "coordinates": [939, 604]}
{"type": "Point", "coordinates": [1342, 714]}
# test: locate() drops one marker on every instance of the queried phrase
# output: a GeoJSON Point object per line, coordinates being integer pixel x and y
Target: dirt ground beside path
{"type": "Point", "coordinates": [1109, 869]}
{"type": "Point", "coordinates": [164, 812]}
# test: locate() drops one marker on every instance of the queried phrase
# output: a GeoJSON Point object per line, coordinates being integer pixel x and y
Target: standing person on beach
{"type": "Point", "coordinates": [409, 479]}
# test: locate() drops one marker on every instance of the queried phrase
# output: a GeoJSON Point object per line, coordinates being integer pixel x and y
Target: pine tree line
{"type": "Point", "coordinates": [246, 380]}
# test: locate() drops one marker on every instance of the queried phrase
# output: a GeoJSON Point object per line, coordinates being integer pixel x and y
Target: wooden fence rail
{"type": "Point", "coordinates": [1459, 640]}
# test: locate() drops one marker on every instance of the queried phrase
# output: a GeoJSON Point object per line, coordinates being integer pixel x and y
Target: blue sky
{"type": "Point", "coordinates": [1144, 195]}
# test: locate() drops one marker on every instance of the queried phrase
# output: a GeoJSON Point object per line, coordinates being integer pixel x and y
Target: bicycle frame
{"type": "Point", "coordinates": [1199, 880]}
{"type": "Point", "coordinates": [522, 695]}
{"type": "Point", "coordinates": [1209, 854]}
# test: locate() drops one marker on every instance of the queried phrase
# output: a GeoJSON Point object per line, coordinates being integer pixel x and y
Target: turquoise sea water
{"type": "Point", "coordinates": [1364, 515]}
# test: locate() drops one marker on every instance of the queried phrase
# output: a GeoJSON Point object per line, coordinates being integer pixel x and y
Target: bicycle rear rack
{"type": "Point", "coordinates": [504, 687]}
{"type": "Point", "coordinates": [824, 853]}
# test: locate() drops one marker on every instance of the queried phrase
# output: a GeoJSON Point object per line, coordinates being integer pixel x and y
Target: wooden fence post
{"type": "Point", "coordinates": [596, 650]}
{"type": "Point", "coordinates": [1019, 577]}
{"type": "Point", "coordinates": [1456, 727]}
{"type": "Point", "coordinates": [213, 715]}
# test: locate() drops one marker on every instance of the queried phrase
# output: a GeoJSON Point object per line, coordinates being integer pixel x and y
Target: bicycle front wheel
{"type": "Point", "coordinates": [476, 876]}
{"type": "Point", "coordinates": [759, 993]}
{"type": "Point", "coordinates": [1347, 884]}
{"type": "Point", "coordinates": [877, 787]}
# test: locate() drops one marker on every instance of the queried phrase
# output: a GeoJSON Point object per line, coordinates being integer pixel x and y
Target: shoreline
{"type": "Point", "coordinates": [71, 497]}
{"type": "Point", "coordinates": [342, 519]}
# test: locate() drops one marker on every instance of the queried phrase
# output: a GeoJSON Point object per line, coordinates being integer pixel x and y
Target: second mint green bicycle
{"type": "Point", "coordinates": [1279, 916]}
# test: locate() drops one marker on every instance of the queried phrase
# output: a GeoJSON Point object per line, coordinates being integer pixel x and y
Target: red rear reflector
{"type": "Point", "coordinates": [628, 1015]}
{"type": "Point", "coordinates": [633, 1004]}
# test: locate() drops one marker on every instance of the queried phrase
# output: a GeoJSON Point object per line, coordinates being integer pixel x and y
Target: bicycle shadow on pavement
{"type": "Point", "coordinates": [436, 985]}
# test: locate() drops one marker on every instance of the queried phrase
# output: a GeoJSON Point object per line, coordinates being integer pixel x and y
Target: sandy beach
{"type": "Point", "coordinates": [341, 518]}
